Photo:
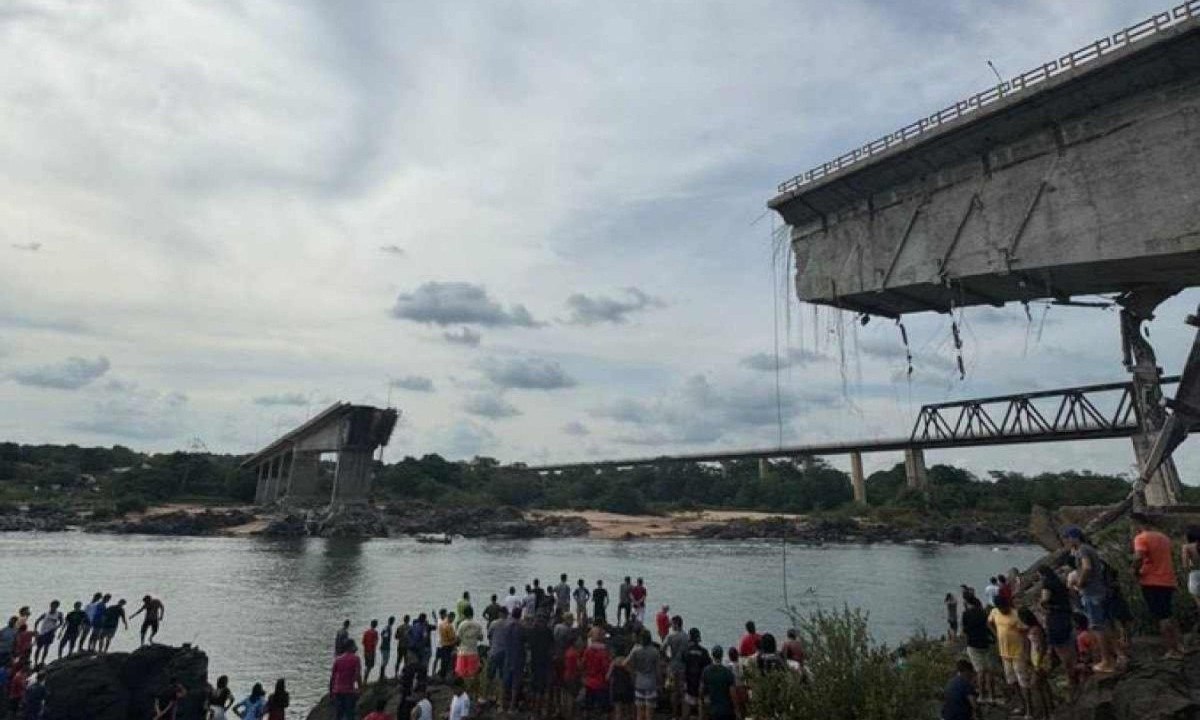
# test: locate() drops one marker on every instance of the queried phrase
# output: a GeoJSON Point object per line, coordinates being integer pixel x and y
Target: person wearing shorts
{"type": "Point", "coordinates": [1155, 571]}
{"type": "Point", "coordinates": [646, 664]}
{"type": "Point", "coordinates": [470, 635]}
{"type": "Point", "coordinates": [46, 626]}
{"type": "Point", "coordinates": [979, 645]}
{"type": "Point", "coordinates": [154, 611]}
{"type": "Point", "coordinates": [1094, 595]}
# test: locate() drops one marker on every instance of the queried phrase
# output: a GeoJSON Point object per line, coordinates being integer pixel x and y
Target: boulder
{"type": "Point", "coordinates": [122, 686]}
{"type": "Point", "coordinates": [350, 521]}
{"type": "Point", "coordinates": [1152, 689]}
{"type": "Point", "coordinates": [290, 525]}
{"type": "Point", "coordinates": [178, 523]}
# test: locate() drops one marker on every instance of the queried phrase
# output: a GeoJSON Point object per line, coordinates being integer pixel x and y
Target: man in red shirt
{"type": "Point", "coordinates": [638, 595]}
{"type": "Point", "coordinates": [1155, 571]}
{"type": "Point", "coordinates": [749, 643]}
{"type": "Point", "coordinates": [344, 682]}
{"type": "Point", "coordinates": [663, 622]}
{"type": "Point", "coordinates": [596, 661]}
{"type": "Point", "coordinates": [370, 641]}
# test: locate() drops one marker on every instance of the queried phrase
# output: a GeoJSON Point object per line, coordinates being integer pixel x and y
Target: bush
{"type": "Point", "coordinates": [130, 504]}
{"type": "Point", "coordinates": [852, 676]}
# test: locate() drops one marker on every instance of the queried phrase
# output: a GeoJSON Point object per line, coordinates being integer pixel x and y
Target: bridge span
{"type": "Point", "coordinates": [1088, 412]}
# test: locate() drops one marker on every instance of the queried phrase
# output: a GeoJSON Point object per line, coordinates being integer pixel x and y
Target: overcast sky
{"type": "Point", "coordinates": [539, 228]}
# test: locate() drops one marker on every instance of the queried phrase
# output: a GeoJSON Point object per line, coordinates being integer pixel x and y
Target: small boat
{"type": "Point", "coordinates": [434, 539]}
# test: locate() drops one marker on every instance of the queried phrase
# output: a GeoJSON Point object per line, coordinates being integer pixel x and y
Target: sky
{"type": "Point", "coordinates": [538, 229]}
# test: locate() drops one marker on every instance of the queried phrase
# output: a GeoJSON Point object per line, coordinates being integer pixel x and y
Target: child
{"type": "Point", "coordinates": [1039, 660]}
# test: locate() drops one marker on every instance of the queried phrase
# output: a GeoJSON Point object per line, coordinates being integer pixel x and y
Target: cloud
{"type": "Point", "coordinates": [24, 321]}
{"type": "Point", "coordinates": [794, 357]}
{"type": "Point", "coordinates": [491, 406]}
{"type": "Point", "coordinates": [70, 374]}
{"type": "Point", "coordinates": [282, 400]}
{"type": "Point", "coordinates": [463, 440]}
{"type": "Point", "coordinates": [576, 429]}
{"type": "Point", "coordinates": [28, 247]}
{"type": "Point", "coordinates": [586, 310]}
{"type": "Point", "coordinates": [465, 336]}
{"type": "Point", "coordinates": [415, 383]}
{"type": "Point", "coordinates": [526, 374]}
{"type": "Point", "coordinates": [133, 413]}
{"type": "Point", "coordinates": [394, 250]}
{"type": "Point", "coordinates": [699, 412]}
{"type": "Point", "coordinates": [458, 303]}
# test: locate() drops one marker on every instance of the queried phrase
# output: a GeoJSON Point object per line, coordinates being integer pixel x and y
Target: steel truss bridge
{"type": "Point", "coordinates": [1077, 413]}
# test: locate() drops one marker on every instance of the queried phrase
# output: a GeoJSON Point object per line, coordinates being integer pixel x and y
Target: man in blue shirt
{"type": "Point", "coordinates": [959, 702]}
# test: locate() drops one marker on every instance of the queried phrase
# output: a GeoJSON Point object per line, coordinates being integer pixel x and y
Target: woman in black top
{"type": "Point", "coordinates": [1060, 632]}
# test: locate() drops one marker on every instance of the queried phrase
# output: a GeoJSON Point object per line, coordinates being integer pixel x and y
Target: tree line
{"type": "Point", "coordinates": [123, 477]}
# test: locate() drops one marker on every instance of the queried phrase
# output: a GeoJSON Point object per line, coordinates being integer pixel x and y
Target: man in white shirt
{"type": "Point", "coordinates": [991, 592]}
{"type": "Point", "coordinates": [46, 627]}
{"type": "Point", "coordinates": [423, 710]}
{"type": "Point", "coordinates": [460, 706]}
{"type": "Point", "coordinates": [511, 601]}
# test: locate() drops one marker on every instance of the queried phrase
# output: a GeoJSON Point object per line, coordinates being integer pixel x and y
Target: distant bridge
{"type": "Point", "coordinates": [1085, 412]}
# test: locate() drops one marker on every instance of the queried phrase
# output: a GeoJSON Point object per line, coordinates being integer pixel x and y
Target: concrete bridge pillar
{"type": "Point", "coordinates": [260, 489]}
{"type": "Point", "coordinates": [857, 482]}
{"type": "Point", "coordinates": [352, 480]}
{"type": "Point", "coordinates": [914, 468]}
{"type": "Point", "coordinates": [304, 476]}
{"type": "Point", "coordinates": [764, 468]}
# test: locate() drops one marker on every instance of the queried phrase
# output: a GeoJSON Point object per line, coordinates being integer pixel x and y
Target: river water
{"type": "Point", "coordinates": [264, 609]}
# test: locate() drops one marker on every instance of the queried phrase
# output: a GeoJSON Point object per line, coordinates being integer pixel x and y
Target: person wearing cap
{"type": "Point", "coordinates": [1155, 571]}
{"type": "Point", "coordinates": [1093, 595]}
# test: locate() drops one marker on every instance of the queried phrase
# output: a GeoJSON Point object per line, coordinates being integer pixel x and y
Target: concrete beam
{"type": "Point", "coordinates": [857, 482]}
{"type": "Point", "coordinates": [352, 481]}
{"type": "Point", "coordinates": [914, 468]}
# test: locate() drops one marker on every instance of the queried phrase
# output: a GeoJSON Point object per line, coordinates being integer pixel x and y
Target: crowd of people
{"type": "Point", "coordinates": [555, 652]}
{"type": "Point", "coordinates": [26, 643]}
{"type": "Point", "coordinates": [1071, 621]}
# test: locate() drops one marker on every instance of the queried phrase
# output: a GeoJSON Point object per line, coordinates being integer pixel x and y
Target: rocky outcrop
{"type": "Point", "coordinates": [349, 521]}
{"type": "Point", "coordinates": [34, 518]}
{"type": "Point", "coordinates": [418, 518]}
{"type": "Point", "coordinates": [122, 686]}
{"type": "Point", "coordinates": [179, 522]}
{"type": "Point", "coordinates": [290, 525]}
{"type": "Point", "coordinates": [1152, 689]}
{"type": "Point", "coordinates": [822, 530]}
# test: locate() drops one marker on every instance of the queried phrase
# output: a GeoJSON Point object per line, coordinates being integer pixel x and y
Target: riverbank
{"type": "Point", "coordinates": [396, 519]}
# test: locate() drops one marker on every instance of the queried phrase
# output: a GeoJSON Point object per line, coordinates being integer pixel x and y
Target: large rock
{"type": "Point", "coordinates": [178, 523]}
{"type": "Point", "coordinates": [1151, 690]}
{"type": "Point", "coordinates": [122, 686]}
{"type": "Point", "coordinates": [350, 521]}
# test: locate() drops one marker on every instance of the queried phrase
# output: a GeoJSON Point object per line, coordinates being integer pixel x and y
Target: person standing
{"type": "Point", "coordinates": [370, 643]}
{"type": "Point", "coordinates": [46, 626]}
{"type": "Point", "coordinates": [166, 703]}
{"type": "Point", "coordinates": [114, 617]}
{"type": "Point", "coordinates": [492, 611]}
{"type": "Point", "coordinates": [385, 646]}
{"type": "Point", "coordinates": [596, 662]}
{"type": "Point", "coordinates": [990, 591]}
{"type": "Point", "coordinates": [600, 603]}
{"type": "Point", "coordinates": [512, 601]}
{"type": "Point", "coordinates": [277, 703]}
{"type": "Point", "coordinates": [341, 638]}
{"type": "Point", "coordinates": [1191, 563]}
{"type": "Point", "coordinates": [254, 706]}
{"type": "Point", "coordinates": [463, 603]}
{"type": "Point", "coordinates": [8, 642]}
{"type": "Point", "coordinates": [460, 705]}
{"type": "Point", "coordinates": [96, 640]}
{"type": "Point", "coordinates": [154, 611]}
{"type": "Point", "coordinates": [646, 664]}
{"type": "Point", "coordinates": [91, 622]}
{"type": "Point", "coordinates": [662, 623]}
{"type": "Point", "coordinates": [496, 632]}
{"type": "Point", "coordinates": [717, 683]}
{"type": "Point", "coordinates": [447, 642]}
{"type": "Point", "coordinates": [979, 643]}
{"type": "Point", "coordinates": [539, 638]}
{"type": "Point", "coordinates": [637, 594]}
{"type": "Point", "coordinates": [35, 698]}
{"type": "Point", "coordinates": [1094, 594]}
{"type": "Point", "coordinates": [345, 680]}
{"type": "Point", "coordinates": [581, 597]}
{"type": "Point", "coordinates": [695, 660]}
{"type": "Point", "coordinates": [1010, 639]}
{"type": "Point", "coordinates": [73, 624]}
{"type": "Point", "coordinates": [423, 710]}
{"type": "Point", "coordinates": [1055, 600]}
{"type": "Point", "coordinates": [218, 700]}
{"type": "Point", "coordinates": [418, 640]}
{"type": "Point", "coordinates": [674, 647]}
{"type": "Point", "coordinates": [513, 641]}
{"type": "Point", "coordinates": [624, 601]}
{"type": "Point", "coordinates": [470, 635]}
{"type": "Point", "coordinates": [951, 617]}
{"type": "Point", "coordinates": [748, 645]}
{"type": "Point", "coordinates": [562, 596]}
{"type": "Point", "coordinates": [1155, 571]}
{"type": "Point", "coordinates": [402, 648]}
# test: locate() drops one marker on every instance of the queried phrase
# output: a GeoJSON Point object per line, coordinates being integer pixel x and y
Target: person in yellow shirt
{"type": "Point", "coordinates": [1011, 642]}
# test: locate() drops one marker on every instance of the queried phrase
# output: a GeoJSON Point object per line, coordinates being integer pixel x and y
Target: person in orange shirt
{"type": "Point", "coordinates": [1155, 571]}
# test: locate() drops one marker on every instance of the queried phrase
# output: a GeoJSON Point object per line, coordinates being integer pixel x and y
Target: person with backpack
{"type": "Point", "coordinates": [1093, 582]}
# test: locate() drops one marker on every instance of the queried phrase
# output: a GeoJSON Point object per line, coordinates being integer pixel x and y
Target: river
{"type": "Point", "coordinates": [269, 608]}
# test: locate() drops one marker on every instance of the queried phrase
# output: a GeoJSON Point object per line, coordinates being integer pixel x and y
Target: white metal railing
{"type": "Point", "coordinates": [1122, 38]}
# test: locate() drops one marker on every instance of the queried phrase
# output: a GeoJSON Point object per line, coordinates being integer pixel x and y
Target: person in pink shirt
{"type": "Point", "coordinates": [344, 682]}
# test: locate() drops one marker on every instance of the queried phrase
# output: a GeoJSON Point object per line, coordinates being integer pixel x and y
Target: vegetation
{"type": "Point", "coordinates": [851, 676]}
{"type": "Point", "coordinates": [119, 479]}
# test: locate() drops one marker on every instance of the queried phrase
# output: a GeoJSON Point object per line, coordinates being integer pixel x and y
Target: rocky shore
{"type": "Point", "coordinates": [394, 519]}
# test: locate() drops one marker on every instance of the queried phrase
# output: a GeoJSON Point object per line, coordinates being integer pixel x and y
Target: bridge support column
{"type": "Point", "coordinates": [305, 476]}
{"type": "Point", "coordinates": [260, 489]}
{"type": "Point", "coordinates": [726, 468]}
{"type": "Point", "coordinates": [764, 468]}
{"type": "Point", "coordinates": [352, 481]}
{"type": "Point", "coordinates": [857, 482]}
{"type": "Point", "coordinates": [1163, 487]}
{"type": "Point", "coordinates": [914, 468]}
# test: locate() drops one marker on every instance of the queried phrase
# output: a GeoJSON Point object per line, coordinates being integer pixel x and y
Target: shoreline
{"type": "Point", "coordinates": [417, 519]}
